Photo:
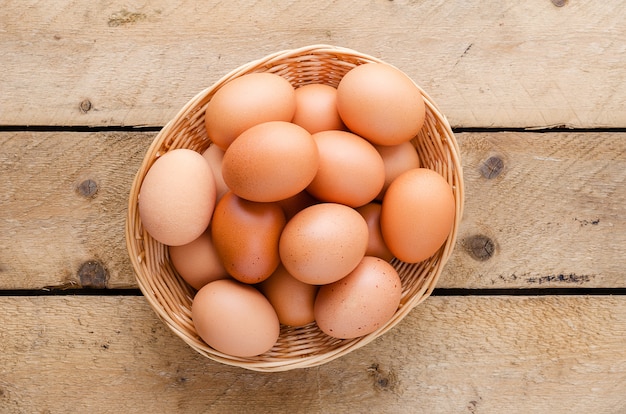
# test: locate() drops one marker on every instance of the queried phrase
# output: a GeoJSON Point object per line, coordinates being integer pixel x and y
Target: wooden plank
{"type": "Point", "coordinates": [551, 215]}
{"type": "Point", "coordinates": [554, 214]}
{"type": "Point", "coordinates": [451, 354]}
{"type": "Point", "coordinates": [487, 64]}
{"type": "Point", "coordinates": [51, 222]}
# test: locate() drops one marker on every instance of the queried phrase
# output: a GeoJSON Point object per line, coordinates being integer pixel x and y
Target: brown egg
{"type": "Point", "coordinates": [417, 214]}
{"type": "Point", "coordinates": [292, 205]}
{"type": "Point", "coordinates": [380, 103]}
{"type": "Point", "coordinates": [360, 303]}
{"type": "Point", "coordinates": [376, 245]}
{"type": "Point", "coordinates": [235, 318]}
{"type": "Point", "coordinates": [247, 101]}
{"type": "Point", "coordinates": [292, 299]}
{"type": "Point", "coordinates": [177, 197]}
{"type": "Point", "coordinates": [198, 262]}
{"type": "Point", "coordinates": [245, 235]}
{"type": "Point", "coordinates": [316, 108]}
{"type": "Point", "coordinates": [397, 159]}
{"type": "Point", "coordinates": [214, 155]}
{"type": "Point", "coordinates": [323, 243]}
{"type": "Point", "coordinates": [270, 162]}
{"type": "Point", "coordinates": [351, 171]}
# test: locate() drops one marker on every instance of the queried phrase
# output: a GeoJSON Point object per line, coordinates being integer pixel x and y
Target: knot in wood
{"type": "Point", "coordinates": [559, 3]}
{"type": "Point", "coordinates": [93, 275]}
{"type": "Point", "coordinates": [85, 106]}
{"type": "Point", "coordinates": [480, 247]}
{"type": "Point", "coordinates": [87, 188]}
{"type": "Point", "coordinates": [492, 167]}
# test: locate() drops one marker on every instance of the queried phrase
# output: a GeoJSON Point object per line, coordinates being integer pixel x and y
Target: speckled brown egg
{"type": "Point", "coordinates": [323, 243]}
{"type": "Point", "coordinates": [360, 303]}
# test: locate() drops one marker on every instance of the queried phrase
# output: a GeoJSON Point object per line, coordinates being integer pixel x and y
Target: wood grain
{"type": "Point", "coordinates": [50, 226]}
{"type": "Point", "coordinates": [487, 64]}
{"type": "Point", "coordinates": [450, 355]}
{"type": "Point", "coordinates": [554, 213]}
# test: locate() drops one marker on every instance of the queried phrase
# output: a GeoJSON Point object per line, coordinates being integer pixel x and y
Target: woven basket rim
{"type": "Point", "coordinates": [173, 311]}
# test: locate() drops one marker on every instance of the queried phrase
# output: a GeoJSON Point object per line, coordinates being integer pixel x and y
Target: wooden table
{"type": "Point", "coordinates": [530, 312]}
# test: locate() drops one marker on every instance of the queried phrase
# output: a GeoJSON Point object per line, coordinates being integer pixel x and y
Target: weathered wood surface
{"type": "Point", "coordinates": [543, 210]}
{"type": "Point", "coordinates": [487, 64]}
{"type": "Point", "coordinates": [552, 209]}
{"type": "Point", "coordinates": [450, 355]}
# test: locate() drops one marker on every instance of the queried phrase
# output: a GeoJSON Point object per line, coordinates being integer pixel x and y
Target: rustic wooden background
{"type": "Point", "coordinates": [530, 312]}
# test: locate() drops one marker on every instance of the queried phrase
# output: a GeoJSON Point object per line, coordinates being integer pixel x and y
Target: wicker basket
{"type": "Point", "coordinates": [306, 346]}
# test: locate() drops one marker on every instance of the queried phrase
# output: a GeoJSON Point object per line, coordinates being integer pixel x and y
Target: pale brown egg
{"type": "Point", "coordinates": [177, 197]}
{"type": "Point", "coordinates": [197, 262]}
{"type": "Point", "coordinates": [380, 103]}
{"type": "Point", "coordinates": [417, 214]}
{"type": "Point", "coordinates": [397, 159]}
{"type": "Point", "coordinates": [235, 318]}
{"type": "Point", "coordinates": [246, 101]}
{"type": "Point", "coordinates": [292, 299]}
{"type": "Point", "coordinates": [316, 108]}
{"type": "Point", "coordinates": [376, 245]}
{"type": "Point", "coordinates": [323, 243]}
{"type": "Point", "coordinates": [214, 156]}
{"type": "Point", "coordinates": [270, 162]}
{"type": "Point", "coordinates": [361, 302]}
{"type": "Point", "coordinates": [245, 235]}
{"type": "Point", "coordinates": [351, 171]}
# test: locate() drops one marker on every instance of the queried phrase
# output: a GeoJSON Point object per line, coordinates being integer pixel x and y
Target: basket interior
{"type": "Point", "coordinates": [305, 346]}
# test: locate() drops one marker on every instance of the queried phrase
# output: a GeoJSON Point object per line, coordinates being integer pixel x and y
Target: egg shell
{"type": "Point", "coordinates": [316, 108]}
{"type": "Point", "coordinates": [323, 243]}
{"type": "Point", "coordinates": [197, 262]}
{"type": "Point", "coordinates": [417, 214]}
{"type": "Point", "coordinates": [351, 171]}
{"type": "Point", "coordinates": [214, 156]}
{"type": "Point", "coordinates": [294, 204]}
{"type": "Point", "coordinates": [360, 303]}
{"type": "Point", "coordinates": [235, 318]}
{"type": "Point", "coordinates": [270, 162]}
{"type": "Point", "coordinates": [246, 101]}
{"type": "Point", "coordinates": [245, 235]}
{"type": "Point", "coordinates": [292, 299]}
{"type": "Point", "coordinates": [397, 159]}
{"type": "Point", "coordinates": [380, 103]}
{"type": "Point", "coordinates": [177, 197]}
{"type": "Point", "coordinates": [376, 244]}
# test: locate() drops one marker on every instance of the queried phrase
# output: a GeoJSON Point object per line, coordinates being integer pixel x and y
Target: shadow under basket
{"type": "Point", "coordinates": [306, 346]}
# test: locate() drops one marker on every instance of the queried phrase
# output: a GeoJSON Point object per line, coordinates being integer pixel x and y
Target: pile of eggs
{"type": "Point", "coordinates": [293, 213]}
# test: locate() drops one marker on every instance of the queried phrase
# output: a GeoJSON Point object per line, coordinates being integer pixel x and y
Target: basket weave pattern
{"type": "Point", "coordinates": [300, 347]}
